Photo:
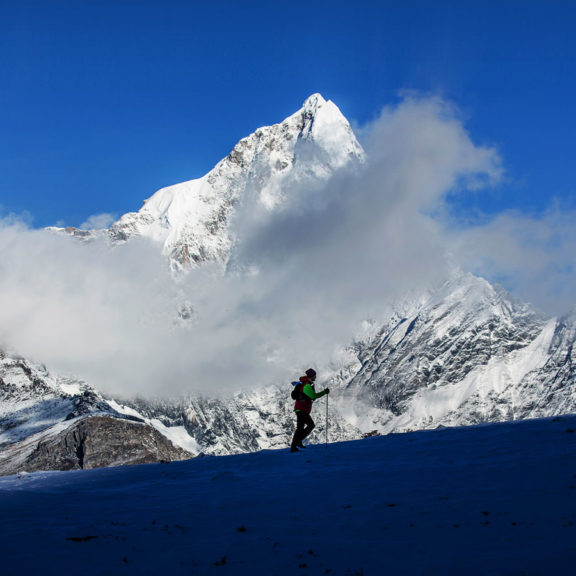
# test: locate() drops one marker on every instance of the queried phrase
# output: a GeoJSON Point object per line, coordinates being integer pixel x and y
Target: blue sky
{"type": "Point", "coordinates": [102, 103]}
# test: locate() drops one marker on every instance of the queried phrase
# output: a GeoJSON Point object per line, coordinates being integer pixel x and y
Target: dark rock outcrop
{"type": "Point", "coordinates": [91, 442]}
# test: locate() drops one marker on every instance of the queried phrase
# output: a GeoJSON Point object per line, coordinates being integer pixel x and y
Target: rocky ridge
{"type": "Point", "coordinates": [468, 354]}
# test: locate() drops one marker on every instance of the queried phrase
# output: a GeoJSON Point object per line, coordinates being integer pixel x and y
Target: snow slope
{"type": "Point", "coordinates": [492, 500]}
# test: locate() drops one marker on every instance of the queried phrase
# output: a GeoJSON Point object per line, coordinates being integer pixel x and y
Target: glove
{"type": "Point", "coordinates": [327, 390]}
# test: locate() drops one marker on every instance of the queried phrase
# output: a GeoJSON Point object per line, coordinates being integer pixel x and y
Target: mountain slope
{"type": "Point", "coordinates": [261, 419]}
{"type": "Point", "coordinates": [551, 386]}
{"type": "Point", "coordinates": [487, 500]}
{"type": "Point", "coordinates": [51, 423]}
{"type": "Point", "coordinates": [469, 353]}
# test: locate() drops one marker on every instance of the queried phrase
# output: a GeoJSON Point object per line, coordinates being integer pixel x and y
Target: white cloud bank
{"type": "Point", "coordinates": [532, 256]}
{"type": "Point", "coordinates": [320, 267]}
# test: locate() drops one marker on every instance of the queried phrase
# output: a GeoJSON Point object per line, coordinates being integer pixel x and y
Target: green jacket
{"type": "Point", "coordinates": [311, 393]}
{"type": "Point", "coordinates": [304, 403]}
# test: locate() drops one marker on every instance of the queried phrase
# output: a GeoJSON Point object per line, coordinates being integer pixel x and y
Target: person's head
{"type": "Point", "coordinates": [311, 373]}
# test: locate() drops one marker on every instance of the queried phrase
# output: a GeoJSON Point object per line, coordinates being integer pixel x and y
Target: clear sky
{"type": "Point", "coordinates": [103, 102]}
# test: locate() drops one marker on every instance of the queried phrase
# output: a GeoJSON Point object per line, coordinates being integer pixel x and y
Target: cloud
{"type": "Point", "coordinates": [371, 235]}
{"type": "Point", "coordinates": [531, 255]}
{"type": "Point", "coordinates": [307, 274]}
{"type": "Point", "coordinates": [81, 308]}
{"type": "Point", "coordinates": [98, 222]}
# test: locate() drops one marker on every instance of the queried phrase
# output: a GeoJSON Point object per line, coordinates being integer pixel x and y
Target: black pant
{"type": "Point", "coordinates": [304, 425]}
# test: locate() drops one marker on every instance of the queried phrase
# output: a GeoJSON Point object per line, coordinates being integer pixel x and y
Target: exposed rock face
{"type": "Point", "coordinates": [90, 442]}
{"type": "Point", "coordinates": [51, 423]}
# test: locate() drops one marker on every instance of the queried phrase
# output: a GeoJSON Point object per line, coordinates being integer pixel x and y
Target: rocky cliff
{"type": "Point", "coordinates": [90, 442]}
{"type": "Point", "coordinates": [51, 423]}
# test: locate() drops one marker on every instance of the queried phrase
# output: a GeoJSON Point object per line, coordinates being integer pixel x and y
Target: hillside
{"type": "Point", "coordinates": [495, 499]}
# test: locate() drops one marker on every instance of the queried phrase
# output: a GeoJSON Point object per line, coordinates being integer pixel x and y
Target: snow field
{"type": "Point", "coordinates": [489, 500]}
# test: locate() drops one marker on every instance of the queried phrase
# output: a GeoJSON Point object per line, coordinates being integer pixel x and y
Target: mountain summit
{"type": "Point", "coordinates": [192, 219]}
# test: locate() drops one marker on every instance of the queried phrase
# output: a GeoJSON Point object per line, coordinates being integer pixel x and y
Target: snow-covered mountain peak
{"type": "Point", "coordinates": [192, 219]}
{"type": "Point", "coordinates": [313, 102]}
{"type": "Point", "coordinates": [316, 106]}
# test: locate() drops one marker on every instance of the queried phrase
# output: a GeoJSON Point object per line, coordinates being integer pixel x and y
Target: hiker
{"type": "Point", "coordinates": [305, 395]}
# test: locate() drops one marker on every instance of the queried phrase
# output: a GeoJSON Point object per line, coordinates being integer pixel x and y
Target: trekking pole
{"type": "Point", "coordinates": [327, 420]}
